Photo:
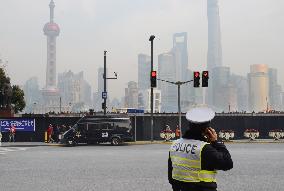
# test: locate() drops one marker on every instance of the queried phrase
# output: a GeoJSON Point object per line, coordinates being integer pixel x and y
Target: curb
{"type": "Point", "coordinates": [251, 142]}
{"type": "Point", "coordinates": [54, 145]}
{"type": "Point", "coordinates": [148, 143]}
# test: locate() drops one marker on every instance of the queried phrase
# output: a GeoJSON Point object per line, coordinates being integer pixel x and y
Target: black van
{"type": "Point", "coordinates": [99, 129]}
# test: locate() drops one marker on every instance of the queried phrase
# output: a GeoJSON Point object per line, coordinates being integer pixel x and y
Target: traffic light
{"type": "Point", "coordinates": [153, 79]}
{"type": "Point", "coordinates": [196, 79]}
{"type": "Point", "coordinates": [103, 105]}
{"type": "Point", "coordinates": [205, 77]}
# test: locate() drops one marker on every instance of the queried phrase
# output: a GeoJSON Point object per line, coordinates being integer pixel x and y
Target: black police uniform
{"type": "Point", "coordinates": [214, 156]}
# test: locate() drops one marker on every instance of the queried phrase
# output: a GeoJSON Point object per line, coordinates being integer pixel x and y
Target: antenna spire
{"type": "Point", "coordinates": [51, 6]}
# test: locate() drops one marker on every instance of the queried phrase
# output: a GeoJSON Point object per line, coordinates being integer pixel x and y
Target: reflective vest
{"type": "Point", "coordinates": [186, 161]}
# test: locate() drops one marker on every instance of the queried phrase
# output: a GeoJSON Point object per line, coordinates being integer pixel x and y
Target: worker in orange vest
{"type": "Point", "coordinates": [177, 132]}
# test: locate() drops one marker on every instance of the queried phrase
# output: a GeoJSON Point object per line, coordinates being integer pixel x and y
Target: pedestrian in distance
{"type": "Point", "coordinates": [49, 133]}
{"type": "Point", "coordinates": [56, 133]}
{"type": "Point", "coordinates": [63, 129]}
{"type": "Point", "coordinates": [177, 132]}
{"type": "Point", "coordinates": [12, 132]}
{"type": "Point", "coordinates": [195, 158]}
{"type": "Point", "coordinates": [0, 138]}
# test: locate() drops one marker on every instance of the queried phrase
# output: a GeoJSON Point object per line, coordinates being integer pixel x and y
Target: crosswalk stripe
{"type": "Point", "coordinates": [5, 150]}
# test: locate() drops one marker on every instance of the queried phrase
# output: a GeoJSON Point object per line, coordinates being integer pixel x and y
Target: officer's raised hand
{"type": "Point", "coordinates": [211, 135]}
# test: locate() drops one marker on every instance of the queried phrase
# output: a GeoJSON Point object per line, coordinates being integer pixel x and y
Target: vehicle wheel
{"type": "Point", "coordinates": [115, 141]}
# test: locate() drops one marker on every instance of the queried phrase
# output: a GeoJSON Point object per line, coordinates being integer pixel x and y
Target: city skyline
{"type": "Point", "coordinates": [79, 50]}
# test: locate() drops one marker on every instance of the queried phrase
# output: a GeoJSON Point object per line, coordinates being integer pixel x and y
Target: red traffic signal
{"type": "Point", "coordinates": [196, 78]}
{"type": "Point", "coordinates": [153, 79]}
{"type": "Point", "coordinates": [196, 74]}
{"type": "Point", "coordinates": [205, 77]}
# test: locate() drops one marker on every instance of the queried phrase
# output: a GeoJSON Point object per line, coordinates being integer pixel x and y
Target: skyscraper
{"type": "Point", "coordinates": [241, 85]}
{"type": "Point", "coordinates": [181, 55]}
{"type": "Point", "coordinates": [144, 68]}
{"type": "Point", "coordinates": [214, 53]}
{"type": "Point", "coordinates": [74, 91]}
{"type": "Point", "coordinates": [98, 95]}
{"type": "Point", "coordinates": [156, 101]}
{"type": "Point", "coordinates": [131, 95]}
{"type": "Point", "coordinates": [50, 93]}
{"type": "Point", "coordinates": [173, 66]}
{"type": "Point", "coordinates": [258, 87]}
{"type": "Point", "coordinates": [214, 56]}
{"type": "Point", "coordinates": [223, 94]}
{"type": "Point", "coordinates": [181, 63]}
{"type": "Point", "coordinates": [167, 71]}
{"type": "Point", "coordinates": [100, 80]}
{"type": "Point", "coordinates": [274, 90]}
{"type": "Point", "coordinates": [32, 95]}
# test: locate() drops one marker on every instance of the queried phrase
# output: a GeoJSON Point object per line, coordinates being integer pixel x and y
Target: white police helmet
{"type": "Point", "coordinates": [200, 115]}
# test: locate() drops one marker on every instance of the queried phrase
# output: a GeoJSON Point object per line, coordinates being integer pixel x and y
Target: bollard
{"type": "Point", "coordinates": [0, 139]}
{"type": "Point", "coordinates": [45, 137]}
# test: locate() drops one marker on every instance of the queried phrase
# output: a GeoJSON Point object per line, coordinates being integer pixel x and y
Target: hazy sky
{"type": "Point", "coordinates": [252, 33]}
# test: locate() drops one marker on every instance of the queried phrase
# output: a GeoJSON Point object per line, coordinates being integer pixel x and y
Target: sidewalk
{"type": "Point", "coordinates": [26, 144]}
{"type": "Point", "coordinates": [255, 141]}
{"type": "Point", "coordinates": [37, 144]}
{"type": "Point", "coordinates": [149, 142]}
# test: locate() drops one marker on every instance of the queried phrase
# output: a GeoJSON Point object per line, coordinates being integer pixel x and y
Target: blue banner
{"type": "Point", "coordinates": [19, 124]}
{"type": "Point", "coordinates": [135, 111]}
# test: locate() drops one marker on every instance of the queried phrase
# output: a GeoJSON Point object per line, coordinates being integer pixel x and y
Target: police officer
{"type": "Point", "coordinates": [195, 158]}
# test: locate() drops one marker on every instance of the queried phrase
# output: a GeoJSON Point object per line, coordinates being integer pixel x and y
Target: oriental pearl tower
{"type": "Point", "coordinates": [50, 92]}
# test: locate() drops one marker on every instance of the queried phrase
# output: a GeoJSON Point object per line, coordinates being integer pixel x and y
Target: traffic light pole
{"type": "Point", "coordinates": [105, 81]}
{"type": "Point", "coordinates": [152, 37]}
{"type": "Point", "coordinates": [178, 83]}
{"type": "Point", "coordinates": [179, 109]}
{"type": "Point", "coordinates": [104, 106]}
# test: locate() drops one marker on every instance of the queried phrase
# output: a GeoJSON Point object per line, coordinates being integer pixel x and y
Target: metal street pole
{"type": "Point", "coordinates": [104, 76]}
{"type": "Point", "coordinates": [60, 105]}
{"type": "Point", "coordinates": [135, 128]}
{"type": "Point", "coordinates": [104, 95]}
{"type": "Point", "coordinates": [152, 37]}
{"type": "Point", "coordinates": [179, 110]}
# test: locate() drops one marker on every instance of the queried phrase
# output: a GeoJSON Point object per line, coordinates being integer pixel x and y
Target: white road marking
{"type": "Point", "coordinates": [5, 150]}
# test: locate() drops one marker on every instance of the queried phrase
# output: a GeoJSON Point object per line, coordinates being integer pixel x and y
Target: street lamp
{"type": "Point", "coordinates": [178, 83]}
{"type": "Point", "coordinates": [151, 39]}
{"type": "Point", "coordinates": [70, 108]}
{"type": "Point", "coordinates": [60, 104]}
{"type": "Point", "coordinates": [104, 94]}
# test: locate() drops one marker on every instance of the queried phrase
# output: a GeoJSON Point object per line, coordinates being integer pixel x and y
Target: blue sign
{"type": "Point", "coordinates": [135, 111]}
{"type": "Point", "coordinates": [104, 95]}
{"type": "Point", "coordinates": [19, 124]}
